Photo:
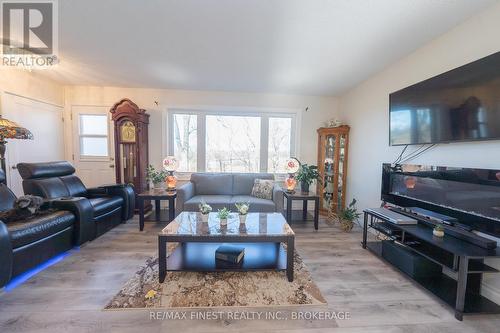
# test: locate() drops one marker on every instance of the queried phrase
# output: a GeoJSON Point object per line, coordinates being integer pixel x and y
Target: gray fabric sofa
{"type": "Point", "coordinates": [221, 190]}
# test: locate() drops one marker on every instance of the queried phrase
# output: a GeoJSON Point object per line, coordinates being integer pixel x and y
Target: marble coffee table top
{"type": "Point", "coordinates": [191, 224]}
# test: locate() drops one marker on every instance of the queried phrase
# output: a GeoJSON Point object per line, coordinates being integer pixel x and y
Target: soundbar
{"type": "Point", "coordinates": [392, 216]}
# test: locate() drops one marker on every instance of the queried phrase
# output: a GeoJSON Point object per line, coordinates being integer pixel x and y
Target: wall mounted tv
{"type": "Point", "coordinates": [460, 105]}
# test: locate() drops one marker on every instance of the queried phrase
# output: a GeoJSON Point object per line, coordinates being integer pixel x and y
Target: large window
{"type": "Point", "coordinates": [93, 135]}
{"type": "Point", "coordinates": [231, 142]}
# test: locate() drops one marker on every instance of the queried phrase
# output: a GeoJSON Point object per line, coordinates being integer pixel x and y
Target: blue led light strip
{"type": "Point", "coordinates": [21, 278]}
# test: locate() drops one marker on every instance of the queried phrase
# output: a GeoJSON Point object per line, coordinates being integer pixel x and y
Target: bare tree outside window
{"type": "Point", "coordinates": [233, 144]}
{"type": "Point", "coordinates": [280, 130]}
{"type": "Point", "coordinates": [185, 141]}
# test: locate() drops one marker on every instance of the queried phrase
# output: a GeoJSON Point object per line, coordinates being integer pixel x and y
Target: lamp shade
{"type": "Point", "coordinates": [292, 165]}
{"type": "Point", "coordinates": [11, 130]}
{"type": "Point", "coordinates": [170, 163]}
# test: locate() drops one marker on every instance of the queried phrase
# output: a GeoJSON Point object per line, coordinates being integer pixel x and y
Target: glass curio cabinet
{"type": "Point", "coordinates": [332, 167]}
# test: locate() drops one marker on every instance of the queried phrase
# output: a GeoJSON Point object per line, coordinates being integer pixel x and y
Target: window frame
{"type": "Point", "coordinates": [81, 136]}
{"type": "Point", "coordinates": [201, 113]}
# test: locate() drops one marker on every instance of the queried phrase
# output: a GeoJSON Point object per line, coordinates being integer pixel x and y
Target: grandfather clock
{"type": "Point", "coordinates": [131, 144]}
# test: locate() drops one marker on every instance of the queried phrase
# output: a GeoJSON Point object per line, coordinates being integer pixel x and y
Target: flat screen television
{"type": "Point", "coordinates": [460, 105]}
{"type": "Point", "coordinates": [470, 195]}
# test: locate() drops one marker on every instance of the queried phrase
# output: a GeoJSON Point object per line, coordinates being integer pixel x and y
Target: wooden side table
{"type": "Point", "coordinates": [156, 195]}
{"type": "Point", "coordinates": [305, 197]}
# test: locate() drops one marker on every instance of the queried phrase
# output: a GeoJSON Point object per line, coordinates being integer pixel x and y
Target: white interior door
{"type": "Point", "coordinates": [93, 145]}
{"type": "Point", "coordinates": [45, 121]}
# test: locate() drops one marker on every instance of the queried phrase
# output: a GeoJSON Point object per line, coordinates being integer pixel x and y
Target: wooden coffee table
{"type": "Point", "coordinates": [262, 236]}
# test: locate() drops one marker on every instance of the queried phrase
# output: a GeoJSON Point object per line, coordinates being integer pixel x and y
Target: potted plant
{"type": "Point", "coordinates": [205, 210]}
{"type": "Point", "coordinates": [223, 214]}
{"type": "Point", "coordinates": [157, 178]}
{"type": "Point", "coordinates": [243, 208]}
{"type": "Point", "coordinates": [438, 230]}
{"type": "Point", "coordinates": [306, 175]}
{"type": "Point", "coordinates": [346, 216]}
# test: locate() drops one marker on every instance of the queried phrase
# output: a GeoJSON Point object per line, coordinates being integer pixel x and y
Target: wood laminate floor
{"type": "Point", "coordinates": [70, 296]}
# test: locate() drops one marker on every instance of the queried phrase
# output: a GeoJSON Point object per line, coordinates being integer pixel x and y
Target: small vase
{"type": "Point", "coordinates": [243, 218]}
{"type": "Point", "coordinates": [204, 217]}
{"type": "Point", "coordinates": [304, 187]}
{"type": "Point", "coordinates": [223, 221]}
{"type": "Point", "coordinates": [438, 233]}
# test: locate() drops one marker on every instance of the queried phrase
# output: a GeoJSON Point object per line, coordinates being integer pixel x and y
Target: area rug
{"type": "Point", "coordinates": [217, 289]}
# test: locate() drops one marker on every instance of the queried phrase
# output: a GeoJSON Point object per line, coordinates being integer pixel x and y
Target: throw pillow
{"type": "Point", "coordinates": [263, 188]}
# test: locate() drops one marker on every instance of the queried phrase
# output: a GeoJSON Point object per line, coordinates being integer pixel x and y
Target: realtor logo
{"type": "Point", "coordinates": [29, 33]}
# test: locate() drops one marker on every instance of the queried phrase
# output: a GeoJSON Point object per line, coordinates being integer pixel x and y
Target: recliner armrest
{"type": "Point", "coordinates": [6, 255]}
{"type": "Point", "coordinates": [278, 198]}
{"type": "Point", "coordinates": [184, 193]}
{"type": "Point", "coordinates": [85, 228]}
{"type": "Point", "coordinates": [125, 191]}
{"type": "Point", "coordinates": [96, 192]}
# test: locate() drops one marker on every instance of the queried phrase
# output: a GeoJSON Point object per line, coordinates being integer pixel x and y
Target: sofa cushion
{"type": "Point", "coordinates": [36, 228]}
{"type": "Point", "coordinates": [263, 188]}
{"type": "Point", "coordinates": [243, 182]}
{"type": "Point", "coordinates": [216, 201]}
{"type": "Point", "coordinates": [212, 183]}
{"type": "Point", "coordinates": [105, 204]}
{"type": "Point", "coordinates": [256, 204]}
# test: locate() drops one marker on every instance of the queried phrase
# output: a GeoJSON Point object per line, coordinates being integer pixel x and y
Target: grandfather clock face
{"type": "Point", "coordinates": [127, 132]}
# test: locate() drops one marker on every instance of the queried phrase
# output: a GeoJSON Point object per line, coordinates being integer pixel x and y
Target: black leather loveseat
{"type": "Point", "coordinates": [109, 205]}
{"type": "Point", "coordinates": [26, 243]}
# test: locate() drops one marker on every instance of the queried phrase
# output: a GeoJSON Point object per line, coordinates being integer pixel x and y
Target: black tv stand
{"type": "Point", "coordinates": [461, 264]}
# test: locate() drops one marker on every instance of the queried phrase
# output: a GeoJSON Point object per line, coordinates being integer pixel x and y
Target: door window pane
{"type": "Point", "coordinates": [94, 146]}
{"type": "Point", "coordinates": [233, 144]}
{"type": "Point", "coordinates": [93, 124]}
{"type": "Point", "coordinates": [185, 141]}
{"type": "Point", "coordinates": [280, 130]}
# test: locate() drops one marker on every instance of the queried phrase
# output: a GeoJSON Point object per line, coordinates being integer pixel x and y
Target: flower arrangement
{"type": "Point", "coordinates": [223, 214]}
{"type": "Point", "coordinates": [154, 176]}
{"type": "Point", "coordinates": [242, 207]}
{"type": "Point", "coordinates": [205, 208]}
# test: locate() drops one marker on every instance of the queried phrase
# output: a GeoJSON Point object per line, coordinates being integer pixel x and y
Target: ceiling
{"type": "Point", "coordinates": [308, 47]}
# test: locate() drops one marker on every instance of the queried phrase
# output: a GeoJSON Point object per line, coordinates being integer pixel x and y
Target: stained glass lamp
{"type": "Point", "coordinates": [11, 130]}
{"type": "Point", "coordinates": [170, 164]}
{"type": "Point", "coordinates": [291, 167]}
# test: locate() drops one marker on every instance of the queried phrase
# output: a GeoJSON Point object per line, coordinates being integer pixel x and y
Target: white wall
{"type": "Point", "coordinates": [320, 109]}
{"type": "Point", "coordinates": [31, 85]}
{"type": "Point", "coordinates": [366, 109]}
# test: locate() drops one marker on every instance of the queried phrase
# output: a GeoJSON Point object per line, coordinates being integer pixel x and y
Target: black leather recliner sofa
{"type": "Point", "coordinates": [109, 204]}
{"type": "Point", "coordinates": [26, 243]}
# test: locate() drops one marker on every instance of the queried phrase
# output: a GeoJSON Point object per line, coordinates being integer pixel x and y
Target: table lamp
{"type": "Point", "coordinates": [11, 130]}
{"type": "Point", "coordinates": [291, 167]}
{"type": "Point", "coordinates": [170, 164]}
